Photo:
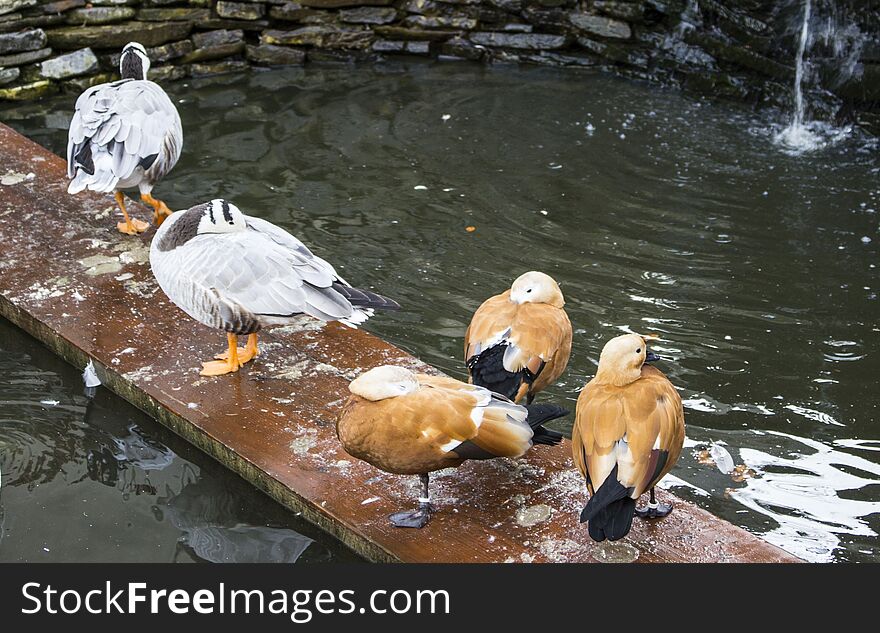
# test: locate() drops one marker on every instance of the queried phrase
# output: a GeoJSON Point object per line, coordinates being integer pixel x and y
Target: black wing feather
{"type": "Point", "coordinates": [82, 157]}
{"type": "Point", "coordinates": [487, 370]}
{"type": "Point", "coordinates": [364, 298]}
{"type": "Point", "coordinates": [610, 510]}
{"type": "Point", "coordinates": [540, 413]}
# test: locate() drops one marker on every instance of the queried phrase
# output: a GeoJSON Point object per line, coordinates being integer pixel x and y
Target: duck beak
{"type": "Point", "coordinates": [650, 357]}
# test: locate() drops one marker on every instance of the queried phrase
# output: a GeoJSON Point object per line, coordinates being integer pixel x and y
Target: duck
{"type": "Point", "coordinates": [240, 274]}
{"type": "Point", "coordinates": [125, 134]}
{"type": "Point", "coordinates": [519, 342]}
{"type": "Point", "coordinates": [406, 423]}
{"type": "Point", "coordinates": [628, 433]}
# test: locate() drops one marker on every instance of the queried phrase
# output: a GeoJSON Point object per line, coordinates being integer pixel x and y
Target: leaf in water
{"type": "Point", "coordinates": [743, 472]}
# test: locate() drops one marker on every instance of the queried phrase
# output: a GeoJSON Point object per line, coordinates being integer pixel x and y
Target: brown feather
{"type": "Point", "coordinates": [406, 434]}
{"type": "Point", "coordinates": [540, 332]}
{"type": "Point", "coordinates": [501, 438]}
{"type": "Point", "coordinates": [643, 412]}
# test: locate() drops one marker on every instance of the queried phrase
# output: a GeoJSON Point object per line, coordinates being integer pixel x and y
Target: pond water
{"type": "Point", "coordinates": [655, 211]}
{"type": "Point", "coordinates": [92, 479]}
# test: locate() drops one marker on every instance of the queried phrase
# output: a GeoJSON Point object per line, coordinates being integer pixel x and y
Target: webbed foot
{"type": "Point", "coordinates": [654, 511]}
{"type": "Point", "coordinates": [413, 518]}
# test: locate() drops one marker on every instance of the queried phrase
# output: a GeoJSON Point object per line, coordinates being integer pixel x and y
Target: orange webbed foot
{"type": "Point", "coordinates": [160, 209]}
{"type": "Point", "coordinates": [245, 354]}
{"type": "Point", "coordinates": [132, 227]}
{"type": "Point", "coordinates": [160, 213]}
{"type": "Point", "coordinates": [242, 355]}
{"type": "Point", "coordinates": [230, 361]}
{"type": "Point", "coordinates": [219, 367]}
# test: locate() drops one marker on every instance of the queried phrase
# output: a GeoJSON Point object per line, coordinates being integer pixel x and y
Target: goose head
{"type": "Point", "coordinates": [134, 61]}
{"type": "Point", "coordinates": [221, 216]}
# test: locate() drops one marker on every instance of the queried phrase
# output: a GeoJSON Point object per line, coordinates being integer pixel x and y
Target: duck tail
{"type": "Point", "coordinates": [540, 413]}
{"type": "Point", "coordinates": [365, 299]}
{"type": "Point", "coordinates": [610, 510]}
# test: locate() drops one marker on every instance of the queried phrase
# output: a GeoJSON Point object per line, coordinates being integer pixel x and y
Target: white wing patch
{"type": "Point", "coordinates": [510, 354]}
{"type": "Point", "coordinates": [497, 338]}
{"type": "Point", "coordinates": [477, 415]}
{"type": "Point", "coordinates": [450, 445]}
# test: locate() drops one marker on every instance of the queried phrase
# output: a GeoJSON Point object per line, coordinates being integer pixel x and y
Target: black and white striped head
{"type": "Point", "coordinates": [214, 217]}
{"type": "Point", "coordinates": [134, 62]}
{"type": "Point", "coordinates": [221, 216]}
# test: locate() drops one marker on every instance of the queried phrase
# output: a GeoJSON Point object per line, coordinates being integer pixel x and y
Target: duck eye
{"type": "Point", "coordinates": [231, 222]}
{"type": "Point", "coordinates": [529, 290]}
{"type": "Point", "coordinates": [639, 350]}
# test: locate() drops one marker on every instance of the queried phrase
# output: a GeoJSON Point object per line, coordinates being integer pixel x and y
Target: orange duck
{"type": "Point", "coordinates": [628, 433]}
{"type": "Point", "coordinates": [518, 342]}
{"type": "Point", "coordinates": [414, 424]}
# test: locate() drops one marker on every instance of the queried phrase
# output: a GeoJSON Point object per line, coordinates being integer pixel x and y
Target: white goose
{"type": "Point", "coordinates": [240, 274]}
{"type": "Point", "coordinates": [125, 134]}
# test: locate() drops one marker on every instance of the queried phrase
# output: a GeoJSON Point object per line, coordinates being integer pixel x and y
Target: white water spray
{"type": "Point", "coordinates": [797, 136]}
{"type": "Point", "coordinates": [799, 68]}
{"type": "Point", "coordinates": [801, 136]}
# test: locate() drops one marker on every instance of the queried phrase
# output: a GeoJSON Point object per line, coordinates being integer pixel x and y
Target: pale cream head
{"type": "Point", "coordinates": [386, 381]}
{"type": "Point", "coordinates": [536, 287]}
{"type": "Point", "coordinates": [621, 360]}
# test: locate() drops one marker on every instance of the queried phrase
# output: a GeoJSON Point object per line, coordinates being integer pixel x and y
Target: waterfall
{"type": "Point", "coordinates": [798, 120]}
{"type": "Point", "coordinates": [797, 136]}
{"type": "Point", "coordinates": [690, 17]}
{"type": "Point", "coordinates": [802, 135]}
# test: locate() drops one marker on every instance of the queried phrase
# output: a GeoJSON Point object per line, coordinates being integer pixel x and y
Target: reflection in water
{"type": "Point", "coordinates": [92, 479]}
{"type": "Point", "coordinates": [655, 212]}
{"type": "Point", "coordinates": [211, 521]}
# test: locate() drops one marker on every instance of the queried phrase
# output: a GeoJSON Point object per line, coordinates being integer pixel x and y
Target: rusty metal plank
{"type": "Point", "coordinates": [69, 279]}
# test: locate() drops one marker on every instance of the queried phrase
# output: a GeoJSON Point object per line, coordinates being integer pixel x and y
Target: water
{"type": "Point", "coordinates": [843, 41]}
{"type": "Point", "coordinates": [798, 137]}
{"type": "Point", "coordinates": [656, 212]}
{"type": "Point", "coordinates": [95, 480]}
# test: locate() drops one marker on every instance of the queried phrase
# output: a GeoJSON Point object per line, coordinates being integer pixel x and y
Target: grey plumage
{"type": "Point", "coordinates": [123, 134]}
{"type": "Point", "coordinates": [244, 274]}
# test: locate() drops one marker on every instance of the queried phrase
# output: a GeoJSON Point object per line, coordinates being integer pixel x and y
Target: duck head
{"type": "Point", "coordinates": [536, 287]}
{"type": "Point", "coordinates": [386, 381]}
{"type": "Point", "coordinates": [134, 62]}
{"type": "Point", "coordinates": [622, 358]}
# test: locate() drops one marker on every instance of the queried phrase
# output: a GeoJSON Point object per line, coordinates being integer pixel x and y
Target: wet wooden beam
{"type": "Point", "coordinates": [71, 280]}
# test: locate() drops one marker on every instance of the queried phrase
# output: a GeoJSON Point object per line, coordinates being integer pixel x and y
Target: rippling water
{"type": "Point", "coordinates": [95, 480]}
{"type": "Point", "coordinates": [656, 212]}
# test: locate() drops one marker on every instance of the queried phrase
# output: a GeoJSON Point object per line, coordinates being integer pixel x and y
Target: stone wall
{"type": "Point", "coordinates": [740, 49]}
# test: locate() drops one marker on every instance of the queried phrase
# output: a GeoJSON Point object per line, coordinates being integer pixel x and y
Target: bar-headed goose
{"type": "Point", "coordinates": [518, 342]}
{"type": "Point", "coordinates": [628, 433]}
{"type": "Point", "coordinates": [413, 424]}
{"type": "Point", "coordinates": [125, 134]}
{"type": "Point", "coordinates": [240, 274]}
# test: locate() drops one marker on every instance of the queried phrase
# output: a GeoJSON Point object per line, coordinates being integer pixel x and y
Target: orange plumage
{"type": "Point", "coordinates": [408, 423]}
{"type": "Point", "coordinates": [519, 342]}
{"type": "Point", "coordinates": [628, 433]}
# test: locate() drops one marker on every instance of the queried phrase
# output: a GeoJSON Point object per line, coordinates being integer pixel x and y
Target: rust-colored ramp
{"type": "Point", "coordinates": [69, 279]}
